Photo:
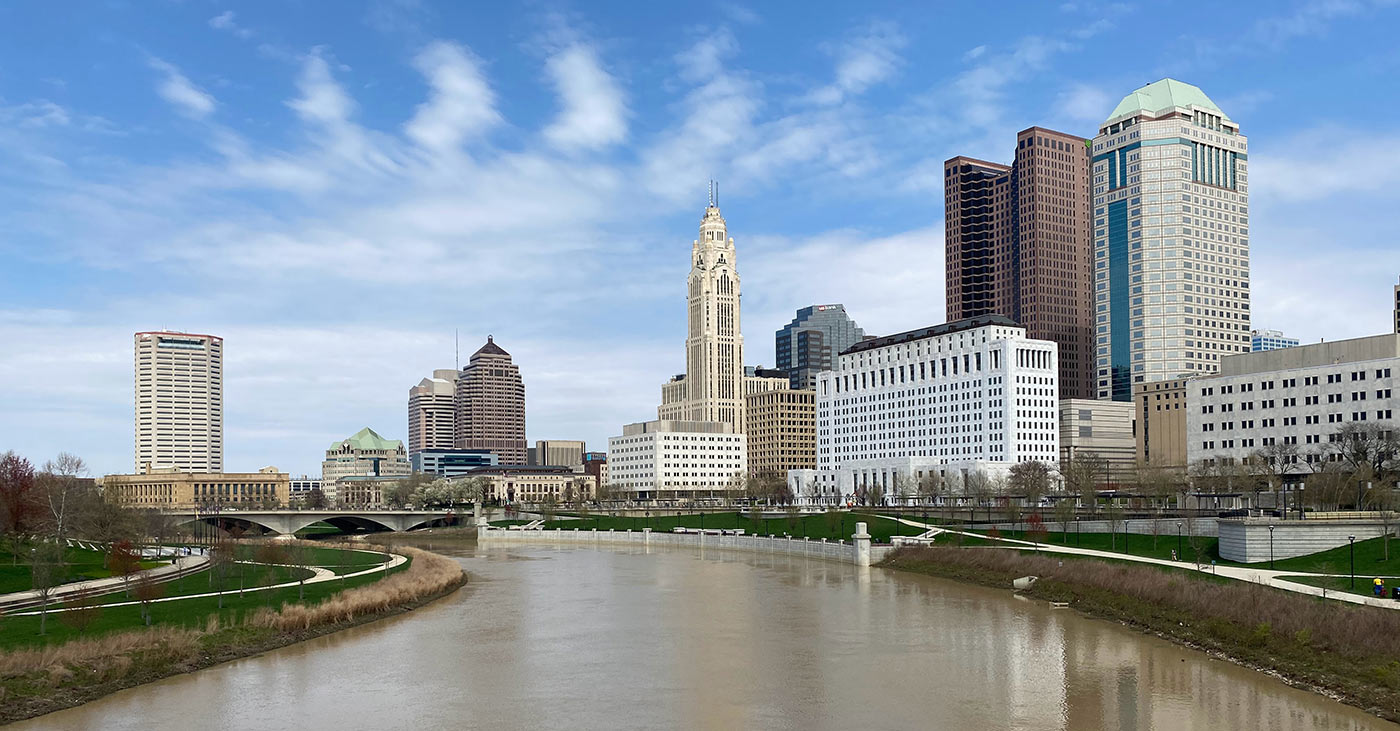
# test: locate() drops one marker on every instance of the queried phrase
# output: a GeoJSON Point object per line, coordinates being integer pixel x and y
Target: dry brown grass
{"type": "Point", "coordinates": [1357, 631]}
{"type": "Point", "coordinates": [427, 575]}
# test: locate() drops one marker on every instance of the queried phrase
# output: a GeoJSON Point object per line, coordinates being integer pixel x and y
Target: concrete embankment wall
{"type": "Point", "coordinates": [1248, 540]}
{"type": "Point", "coordinates": [1136, 526]}
{"type": "Point", "coordinates": [826, 550]}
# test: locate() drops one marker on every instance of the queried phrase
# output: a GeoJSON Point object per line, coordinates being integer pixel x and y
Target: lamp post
{"type": "Point", "coordinates": [1078, 533]}
{"type": "Point", "coordinates": [1301, 514]}
{"type": "Point", "coordinates": [1271, 548]}
{"type": "Point", "coordinates": [1179, 555]}
{"type": "Point", "coordinates": [1352, 541]}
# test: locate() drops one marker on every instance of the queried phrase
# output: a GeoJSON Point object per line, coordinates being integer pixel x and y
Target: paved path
{"type": "Point", "coordinates": [321, 575]}
{"type": "Point", "coordinates": [1267, 577]}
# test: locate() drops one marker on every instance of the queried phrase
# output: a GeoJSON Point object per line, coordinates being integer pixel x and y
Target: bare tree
{"type": "Point", "coordinates": [147, 591]}
{"type": "Point", "coordinates": [221, 562]}
{"type": "Point", "coordinates": [47, 572]}
{"type": "Point", "coordinates": [930, 485]}
{"type": "Point", "coordinates": [1274, 462]}
{"type": "Point", "coordinates": [315, 499]}
{"type": "Point", "coordinates": [63, 490]}
{"type": "Point", "coordinates": [1371, 454]}
{"type": "Point", "coordinates": [83, 609]}
{"type": "Point", "coordinates": [1081, 476]}
{"type": "Point", "coordinates": [1031, 479]}
{"type": "Point", "coordinates": [123, 560]}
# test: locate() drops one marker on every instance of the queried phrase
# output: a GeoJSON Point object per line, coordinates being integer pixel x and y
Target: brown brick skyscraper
{"type": "Point", "coordinates": [491, 405]}
{"type": "Point", "coordinates": [1018, 243]}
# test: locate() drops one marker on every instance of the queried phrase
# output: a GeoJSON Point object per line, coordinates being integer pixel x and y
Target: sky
{"type": "Point", "coordinates": [336, 188]}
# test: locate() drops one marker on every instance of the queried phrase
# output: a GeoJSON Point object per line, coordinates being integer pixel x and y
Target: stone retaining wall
{"type": "Point", "coordinates": [1247, 539]}
{"type": "Point", "coordinates": [844, 552]}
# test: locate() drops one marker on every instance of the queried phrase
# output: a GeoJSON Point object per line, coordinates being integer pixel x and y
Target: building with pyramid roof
{"type": "Point", "coordinates": [491, 405]}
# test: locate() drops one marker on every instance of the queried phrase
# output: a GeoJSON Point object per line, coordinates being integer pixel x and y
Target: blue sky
{"type": "Point", "coordinates": [335, 187]}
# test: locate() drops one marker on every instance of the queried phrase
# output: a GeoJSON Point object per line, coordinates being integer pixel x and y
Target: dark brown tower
{"type": "Point", "coordinates": [491, 405]}
{"type": "Point", "coordinates": [1018, 243]}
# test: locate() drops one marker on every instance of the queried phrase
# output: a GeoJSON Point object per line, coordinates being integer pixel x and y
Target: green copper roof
{"type": "Point", "coordinates": [1164, 94]}
{"type": "Point", "coordinates": [366, 439]}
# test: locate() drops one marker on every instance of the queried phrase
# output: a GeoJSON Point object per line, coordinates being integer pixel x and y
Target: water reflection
{"type": "Point", "coordinates": [665, 638]}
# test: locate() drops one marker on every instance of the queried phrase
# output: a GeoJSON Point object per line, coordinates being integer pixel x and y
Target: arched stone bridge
{"type": "Point", "coordinates": [287, 522]}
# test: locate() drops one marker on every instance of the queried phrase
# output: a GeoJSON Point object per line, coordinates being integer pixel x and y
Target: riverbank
{"type": "Point", "coordinates": [35, 681]}
{"type": "Point", "coordinates": [1344, 652]}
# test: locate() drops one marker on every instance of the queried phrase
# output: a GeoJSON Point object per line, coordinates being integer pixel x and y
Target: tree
{"type": "Point", "coordinates": [978, 486]}
{"type": "Point", "coordinates": [930, 485]}
{"type": "Point", "coordinates": [315, 499]}
{"type": "Point", "coordinates": [83, 609]}
{"type": "Point", "coordinates": [1081, 476]}
{"type": "Point", "coordinates": [1274, 462]}
{"type": "Point", "coordinates": [1031, 479]}
{"type": "Point", "coordinates": [299, 556]}
{"type": "Point", "coordinates": [123, 560]}
{"type": "Point", "coordinates": [47, 573]}
{"type": "Point", "coordinates": [1115, 518]}
{"type": "Point", "coordinates": [269, 556]}
{"type": "Point", "coordinates": [1370, 452]}
{"type": "Point", "coordinates": [1035, 530]}
{"type": "Point", "coordinates": [1155, 481]}
{"type": "Point", "coordinates": [63, 491]}
{"type": "Point", "coordinates": [904, 487]}
{"type": "Point", "coordinates": [19, 504]}
{"type": "Point", "coordinates": [147, 591]}
{"type": "Point", "coordinates": [1064, 512]}
{"type": "Point", "coordinates": [221, 562]}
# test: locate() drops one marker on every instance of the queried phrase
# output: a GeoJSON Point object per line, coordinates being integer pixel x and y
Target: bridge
{"type": "Point", "coordinates": [288, 522]}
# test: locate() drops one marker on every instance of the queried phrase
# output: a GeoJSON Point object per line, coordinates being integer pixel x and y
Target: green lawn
{"type": "Point", "coordinates": [1370, 560]}
{"type": "Point", "coordinates": [1130, 543]}
{"type": "Point", "coordinates": [24, 631]}
{"type": "Point", "coordinates": [81, 564]}
{"type": "Point", "coordinates": [831, 526]}
{"type": "Point", "coordinates": [1343, 583]}
{"type": "Point", "coordinates": [204, 581]}
{"type": "Point", "coordinates": [319, 529]}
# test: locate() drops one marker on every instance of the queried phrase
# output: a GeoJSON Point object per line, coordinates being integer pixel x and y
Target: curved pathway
{"type": "Point", "coordinates": [1267, 577]}
{"type": "Point", "coordinates": [321, 575]}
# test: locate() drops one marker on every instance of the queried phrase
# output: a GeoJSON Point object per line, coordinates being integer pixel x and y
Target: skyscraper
{"type": "Point", "coordinates": [491, 405]}
{"type": "Point", "coordinates": [179, 381]}
{"type": "Point", "coordinates": [1171, 238]}
{"type": "Point", "coordinates": [1262, 340]}
{"type": "Point", "coordinates": [810, 343]}
{"type": "Point", "coordinates": [432, 412]}
{"type": "Point", "coordinates": [712, 387]}
{"type": "Point", "coordinates": [1018, 244]}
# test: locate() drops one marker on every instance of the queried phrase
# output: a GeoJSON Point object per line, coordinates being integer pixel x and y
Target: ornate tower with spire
{"type": "Point", "coordinates": [713, 386]}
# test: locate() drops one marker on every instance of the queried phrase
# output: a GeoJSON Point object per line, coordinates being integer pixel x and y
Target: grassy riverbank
{"type": "Point", "coordinates": [833, 525]}
{"type": "Point", "coordinates": [41, 679]}
{"type": "Point", "coordinates": [1346, 651]}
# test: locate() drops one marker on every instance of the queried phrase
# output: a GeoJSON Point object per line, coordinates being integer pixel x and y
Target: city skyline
{"type": "Point", "coordinates": [218, 200]}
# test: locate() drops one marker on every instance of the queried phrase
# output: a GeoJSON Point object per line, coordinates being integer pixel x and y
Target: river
{"type": "Point", "coordinates": [590, 638]}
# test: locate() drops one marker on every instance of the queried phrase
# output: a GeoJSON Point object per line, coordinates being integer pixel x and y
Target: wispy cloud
{"type": "Point", "coordinates": [862, 62]}
{"type": "Point", "coordinates": [225, 22]}
{"type": "Point", "coordinates": [462, 104]}
{"type": "Point", "coordinates": [180, 92]}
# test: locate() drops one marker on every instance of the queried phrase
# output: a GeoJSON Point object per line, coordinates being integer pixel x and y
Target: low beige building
{"type": "Point", "coordinates": [1104, 428]}
{"type": "Point", "coordinates": [1160, 408]}
{"type": "Point", "coordinates": [170, 489]}
{"type": "Point", "coordinates": [536, 484]}
{"type": "Point", "coordinates": [559, 452]}
{"type": "Point", "coordinates": [782, 434]}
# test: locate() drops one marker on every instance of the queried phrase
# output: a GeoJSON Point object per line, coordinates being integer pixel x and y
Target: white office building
{"type": "Point", "coordinates": [966, 399]}
{"type": "Point", "coordinates": [1300, 396]}
{"type": "Point", "coordinates": [677, 459]}
{"type": "Point", "coordinates": [179, 381]}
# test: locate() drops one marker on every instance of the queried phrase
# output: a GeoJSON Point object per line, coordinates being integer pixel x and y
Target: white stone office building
{"type": "Point", "coordinates": [432, 412]}
{"type": "Point", "coordinates": [1171, 238]}
{"type": "Point", "coordinates": [179, 398]}
{"type": "Point", "coordinates": [677, 459]}
{"type": "Point", "coordinates": [967, 397]}
{"type": "Point", "coordinates": [1294, 396]}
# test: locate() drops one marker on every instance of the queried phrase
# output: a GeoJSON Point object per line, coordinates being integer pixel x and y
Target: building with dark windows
{"type": "Point", "coordinates": [1171, 239]}
{"type": "Point", "coordinates": [1018, 243]}
{"type": "Point", "coordinates": [450, 462]}
{"type": "Point", "coordinates": [491, 405]}
{"type": "Point", "coordinates": [810, 343]}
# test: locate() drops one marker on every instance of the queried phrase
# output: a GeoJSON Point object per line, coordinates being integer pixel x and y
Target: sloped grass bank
{"type": "Point", "coordinates": [1348, 652]}
{"type": "Point", "coordinates": [39, 680]}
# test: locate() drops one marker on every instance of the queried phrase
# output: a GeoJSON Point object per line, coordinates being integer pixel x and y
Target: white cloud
{"type": "Point", "coordinates": [225, 21]}
{"type": "Point", "coordinates": [36, 114]}
{"type": "Point", "coordinates": [182, 93]}
{"type": "Point", "coordinates": [1323, 163]}
{"type": "Point", "coordinates": [1084, 103]}
{"type": "Point", "coordinates": [461, 104]}
{"type": "Point", "coordinates": [863, 62]}
{"type": "Point", "coordinates": [594, 111]}
{"type": "Point", "coordinates": [705, 59]}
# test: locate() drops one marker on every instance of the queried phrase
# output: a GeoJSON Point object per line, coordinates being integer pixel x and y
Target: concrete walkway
{"type": "Point", "coordinates": [1267, 577]}
{"type": "Point", "coordinates": [322, 575]}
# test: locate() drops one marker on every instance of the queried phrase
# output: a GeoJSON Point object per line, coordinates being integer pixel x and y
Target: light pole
{"type": "Point", "coordinates": [1301, 514]}
{"type": "Point", "coordinates": [1352, 541]}
{"type": "Point", "coordinates": [1271, 548]}
{"type": "Point", "coordinates": [1179, 555]}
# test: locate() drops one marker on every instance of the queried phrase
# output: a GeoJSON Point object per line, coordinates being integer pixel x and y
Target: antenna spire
{"type": "Point", "coordinates": [712, 194]}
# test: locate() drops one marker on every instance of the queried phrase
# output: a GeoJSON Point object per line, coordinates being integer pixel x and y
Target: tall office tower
{"type": "Point", "coordinates": [179, 402]}
{"type": "Point", "coordinates": [432, 412]}
{"type": "Point", "coordinates": [1171, 238]}
{"type": "Point", "coordinates": [810, 343]}
{"type": "Point", "coordinates": [491, 405]}
{"type": "Point", "coordinates": [1018, 244]}
{"type": "Point", "coordinates": [712, 387]}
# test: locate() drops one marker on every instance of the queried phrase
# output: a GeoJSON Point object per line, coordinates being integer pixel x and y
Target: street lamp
{"type": "Point", "coordinates": [1352, 540]}
{"type": "Point", "coordinates": [1078, 533]}
{"type": "Point", "coordinates": [1179, 555]}
{"type": "Point", "coordinates": [1271, 548]}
